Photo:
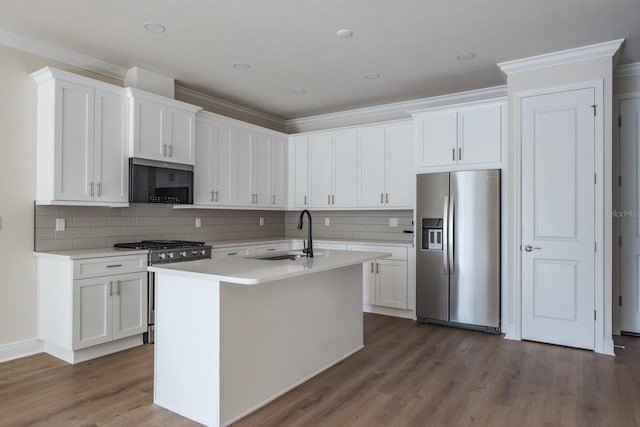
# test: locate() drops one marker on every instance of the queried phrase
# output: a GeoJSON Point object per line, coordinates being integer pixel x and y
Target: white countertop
{"type": "Point", "coordinates": [252, 242]}
{"type": "Point", "coordinates": [90, 253]}
{"type": "Point", "coordinates": [247, 271]}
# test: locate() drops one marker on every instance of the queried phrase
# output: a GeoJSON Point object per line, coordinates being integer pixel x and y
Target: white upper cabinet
{"type": "Point", "coordinates": [462, 135]}
{"type": "Point", "coordinates": [333, 169]}
{"type": "Point", "coordinates": [299, 172]}
{"type": "Point", "coordinates": [162, 129]}
{"type": "Point", "coordinates": [386, 174]}
{"type": "Point", "coordinates": [238, 165]}
{"type": "Point", "coordinates": [82, 140]}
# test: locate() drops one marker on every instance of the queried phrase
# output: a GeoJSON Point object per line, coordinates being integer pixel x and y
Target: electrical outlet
{"type": "Point", "coordinates": [61, 224]}
{"type": "Point", "coordinates": [261, 221]}
{"type": "Point", "coordinates": [198, 222]}
{"type": "Point", "coordinates": [327, 222]}
{"type": "Point", "coordinates": [393, 222]}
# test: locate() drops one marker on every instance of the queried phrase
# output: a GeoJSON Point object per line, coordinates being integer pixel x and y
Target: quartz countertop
{"type": "Point", "coordinates": [90, 253]}
{"type": "Point", "coordinates": [251, 242]}
{"type": "Point", "coordinates": [250, 271]}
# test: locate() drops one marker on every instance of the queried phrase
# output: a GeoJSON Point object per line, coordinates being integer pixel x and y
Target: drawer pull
{"type": "Point", "coordinates": [232, 253]}
{"type": "Point", "coordinates": [114, 265]}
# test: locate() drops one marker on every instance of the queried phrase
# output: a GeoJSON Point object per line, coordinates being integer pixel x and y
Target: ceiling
{"type": "Point", "coordinates": [291, 44]}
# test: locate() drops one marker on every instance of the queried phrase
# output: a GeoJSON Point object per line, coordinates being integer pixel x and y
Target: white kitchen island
{"type": "Point", "coordinates": [234, 334]}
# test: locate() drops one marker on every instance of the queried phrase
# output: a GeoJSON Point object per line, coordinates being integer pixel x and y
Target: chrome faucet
{"type": "Point", "coordinates": [307, 249]}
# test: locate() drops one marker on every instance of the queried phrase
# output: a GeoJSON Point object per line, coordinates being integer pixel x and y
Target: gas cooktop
{"type": "Point", "coordinates": [158, 244]}
{"type": "Point", "coordinates": [164, 251]}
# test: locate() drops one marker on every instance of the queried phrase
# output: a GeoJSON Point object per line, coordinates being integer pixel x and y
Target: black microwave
{"type": "Point", "coordinates": [160, 182]}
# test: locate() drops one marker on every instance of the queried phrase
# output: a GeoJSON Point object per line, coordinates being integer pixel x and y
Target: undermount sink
{"type": "Point", "coordinates": [291, 256]}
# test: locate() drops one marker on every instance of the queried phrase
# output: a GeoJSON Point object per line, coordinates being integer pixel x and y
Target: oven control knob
{"type": "Point", "coordinates": [171, 254]}
{"type": "Point", "coordinates": [162, 256]}
{"type": "Point", "coordinates": [194, 252]}
{"type": "Point", "coordinates": [203, 252]}
{"type": "Point", "coordinates": [183, 253]}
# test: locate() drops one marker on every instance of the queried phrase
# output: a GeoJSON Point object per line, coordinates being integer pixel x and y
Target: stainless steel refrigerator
{"type": "Point", "coordinates": [458, 249]}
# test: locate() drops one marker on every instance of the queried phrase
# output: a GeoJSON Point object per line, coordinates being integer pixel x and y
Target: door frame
{"type": "Point", "coordinates": [602, 343]}
{"type": "Point", "coordinates": [617, 144]}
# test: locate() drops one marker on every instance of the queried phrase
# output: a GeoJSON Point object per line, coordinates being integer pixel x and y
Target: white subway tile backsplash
{"type": "Point", "coordinates": [88, 221]}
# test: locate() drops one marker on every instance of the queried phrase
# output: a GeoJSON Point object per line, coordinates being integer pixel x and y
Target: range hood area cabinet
{"type": "Point", "coordinates": [369, 167]}
{"type": "Point", "coordinates": [82, 143]}
{"type": "Point", "coordinates": [162, 129]}
{"type": "Point", "coordinates": [237, 164]}
{"type": "Point", "coordinates": [459, 137]}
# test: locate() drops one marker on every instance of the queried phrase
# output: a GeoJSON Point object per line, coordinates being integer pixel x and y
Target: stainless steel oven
{"type": "Point", "coordinates": [163, 252]}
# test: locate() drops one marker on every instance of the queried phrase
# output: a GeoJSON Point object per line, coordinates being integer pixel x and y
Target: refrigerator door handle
{"type": "Point", "coordinates": [445, 238]}
{"type": "Point", "coordinates": [452, 232]}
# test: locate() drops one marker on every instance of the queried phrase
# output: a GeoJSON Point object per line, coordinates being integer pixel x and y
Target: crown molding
{"type": "Point", "coordinates": [599, 50]}
{"type": "Point", "coordinates": [404, 107]}
{"type": "Point", "coordinates": [627, 70]}
{"type": "Point", "coordinates": [61, 54]}
{"type": "Point", "coordinates": [228, 106]}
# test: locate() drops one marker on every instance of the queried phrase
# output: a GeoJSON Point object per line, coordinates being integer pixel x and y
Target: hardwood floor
{"type": "Point", "coordinates": [407, 375]}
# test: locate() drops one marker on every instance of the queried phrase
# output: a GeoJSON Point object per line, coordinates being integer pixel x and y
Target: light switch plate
{"type": "Point", "coordinates": [61, 224]}
{"type": "Point", "coordinates": [261, 221]}
{"type": "Point", "coordinates": [393, 222]}
{"type": "Point", "coordinates": [327, 222]}
{"type": "Point", "coordinates": [198, 222]}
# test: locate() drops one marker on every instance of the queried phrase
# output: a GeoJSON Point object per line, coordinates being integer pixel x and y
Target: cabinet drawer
{"type": "Point", "coordinates": [96, 267]}
{"type": "Point", "coordinates": [278, 247]}
{"type": "Point", "coordinates": [221, 253]}
{"type": "Point", "coordinates": [397, 252]}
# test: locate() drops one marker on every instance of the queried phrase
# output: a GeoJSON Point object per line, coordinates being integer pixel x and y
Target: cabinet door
{"type": "Point", "coordinates": [391, 284]}
{"type": "Point", "coordinates": [224, 178]}
{"type": "Point", "coordinates": [345, 170]}
{"type": "Point", "coordinates": [203, 186]}
{"type": "Point", "coordinates": [371, 162]}
{"type": "Point", "coordinates": [110, 159]}
{"type": "Point", "coordinates": [276, 170]}
{"type": "Point", "coordinates": [129, 304]}
{"type": "Point", "coordinates": [243, 170]}
{"type": "Point", "coordinates": [92, 312]}
{"type": "Point", "coordinates": [369, 282]}
{"type": "Point", "coordinates": [298, 172]}
{"type": "Point", "coordinates": [180, 136]}
{"type": "Point", "coordinates": [401, 175]}
{"type": "Point", "coordinates": [74, 142]}
{"type": "Point", "coordinates": [149, 130]}
{"type": "Point", "coordinates": [480, 134]}
{"type": "Point", "coordinates": [260, 163]}
{"type": "Point", "coordinates": [320, 171]}
{"type": "Point", "coordinates": [437, 133]}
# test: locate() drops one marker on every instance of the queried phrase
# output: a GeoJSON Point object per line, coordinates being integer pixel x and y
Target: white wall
{"type": "Point", "coordinates": [582, 71]}
{"type": "Point", "coordinates": [17, 192]}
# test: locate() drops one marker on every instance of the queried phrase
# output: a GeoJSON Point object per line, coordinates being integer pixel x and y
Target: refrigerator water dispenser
{"type": "Point", "coordinates": [432, 234]}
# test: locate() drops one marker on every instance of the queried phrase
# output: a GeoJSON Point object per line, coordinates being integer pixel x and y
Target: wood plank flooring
{"type": "Point", "coordinates": [407, 375]}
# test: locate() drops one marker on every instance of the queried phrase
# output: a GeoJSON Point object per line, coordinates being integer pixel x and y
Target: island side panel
{"type": "Point", "coordinates": [187, 347]}
{"type": "Point", "coordinates": [276, 335]}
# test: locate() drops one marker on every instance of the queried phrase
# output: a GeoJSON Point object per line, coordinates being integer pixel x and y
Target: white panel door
{"type": "Point", "coordinates": [401, 176]}
{"type": "Point", "coordinates": [149, 130]}
{"type": "Point", "coordinates": [558, 224]}
{"type": "Point", "coordinates": [372, 162]}
{"type": "Point", "coordinates": [74, 142]}
{"type": "Point", "coordinates": [369, 282]}
{"type": "Point", "coordinates": [391, 283]}
{"type": "Point", "coordinates": [129, 304]}
{"type": "Point", "coordinates": [110, 159]}
{"type": "Point", "coordinates": [480, 134]}
{"type": "Point", "coordinates": [260, 163]}
{"type": "Point", "coordinates": [92, 312]}
{"type": "Point", "coordinates": [299, 172]}
{"type": "Point", "coordinates": [345, 170]}
{"type": "Point", "coordinates": [203, 193]}
{"type": "Point", "coordinates": [277, 157]}
{"type": "Point", "coordinates": [181, 129]}
{"type": "Point", "coordinates": [629, 217]}
{"type": "Point", "coordinates": [243, 169]}
{"type": "Point", "coordinates": [438, 131]}
{"type": "Point", "coordinates": [224, 179]}
{"type": "Point", "coordinates": [320, 171]}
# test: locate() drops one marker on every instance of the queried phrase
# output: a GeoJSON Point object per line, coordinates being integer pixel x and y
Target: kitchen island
{"type": "Point", "coordinates": [234, 334]}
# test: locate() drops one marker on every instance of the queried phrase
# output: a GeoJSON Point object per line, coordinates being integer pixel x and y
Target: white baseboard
{"type": "Point", "coordinates": [18, 349]}
{"type": "Point", "coordinates": [388, 311]}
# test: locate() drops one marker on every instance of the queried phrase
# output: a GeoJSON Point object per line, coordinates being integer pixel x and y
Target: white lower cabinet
{"type": "Point", "coordinates": [91, 307]}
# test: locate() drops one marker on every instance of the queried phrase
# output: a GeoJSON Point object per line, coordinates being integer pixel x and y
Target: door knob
{"type": "Point", "coordinates": [530, 248]}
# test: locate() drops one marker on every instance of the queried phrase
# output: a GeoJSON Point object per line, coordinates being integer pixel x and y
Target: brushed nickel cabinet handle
{"type": "Point", "coordinates": [216, 192]}
{"type": "Point", "coordinates": [377, 268]}
{"type": "Point", "coordinates": [164, 150]}
{"type": "Point", "coordinates": [274, 199]}
{"type": "Point", "coordinates": [381, 198]}
{"type": "Point", "coordinates": [333, 199]}
{"type": "Point", "coordinates": [171, 150]}
{"type": "Point", "coordinates": [371, 268]}
{"type": "Point", "coordinates": [459, 153]}
{"type": "Point", "coordinates": [305, 200]}
{"type": "Point", "coordinates": [91, 189]}
{"type": "Point", "coordinates": [329, 199]}
{"type": "Point", "coordinates": [212, 198]}
{"type": "Point", "coordinates": [110, 285]}
{"type": "Point", "coordinates": [453, 152]}
{"type": "Point", "coordinates": [386, 197]}
{"type": "Point", "coordinates": [99, 189]}
{"type": "Point", "coordinates": [117, 287]}
{"type": "Point", "coordinates": [114, 265]}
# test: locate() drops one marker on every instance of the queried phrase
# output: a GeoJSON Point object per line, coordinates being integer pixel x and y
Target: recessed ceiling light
{"type": "Point", "coordinates": [154, 27]}
{"type": "Point", "coordinates": [467, 56]}
{"type": "Point", "coordinates": [298, 90]}
{"type": "Point", "coordinates": [372, 76]}
{"type": "Point", "coordinates": [344, 33]}
{"type": "Point", "coordinates": [241, 65]}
